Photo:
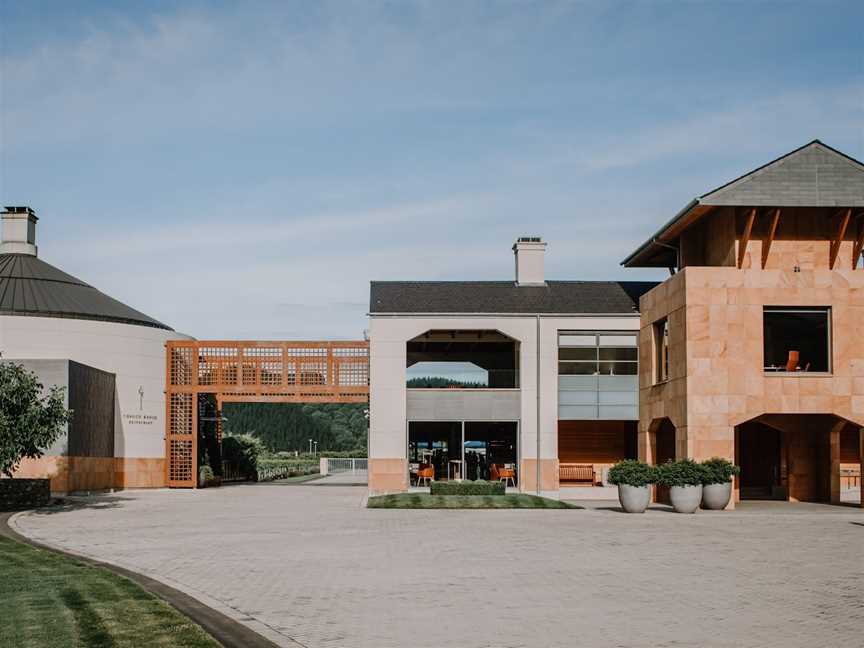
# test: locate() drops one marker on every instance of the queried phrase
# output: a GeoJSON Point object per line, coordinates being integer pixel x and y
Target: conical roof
{"type": "Point", "coordinates": [29, 286]}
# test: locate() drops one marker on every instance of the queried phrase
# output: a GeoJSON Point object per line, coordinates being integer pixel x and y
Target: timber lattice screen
{"type": "Point", "coordinates": [252, 372]}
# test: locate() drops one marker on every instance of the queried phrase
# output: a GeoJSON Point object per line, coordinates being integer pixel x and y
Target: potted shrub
{"type": "Point", "coordinates": [684, 479]}
{"type": "Point", "coordinates": [634, 480]}
{"type": "Point", "coordinates": [717, 485]}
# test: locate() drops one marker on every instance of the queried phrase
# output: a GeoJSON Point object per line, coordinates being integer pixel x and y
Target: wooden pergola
{"type": "Point", "coordinates": [251, 372]}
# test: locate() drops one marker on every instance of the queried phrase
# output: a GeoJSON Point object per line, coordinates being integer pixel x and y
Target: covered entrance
{"type": "Point", "coordinates": [799, 458]}
{"type": "Point", "coordinates": [202, 375]}
{"type": "Point", "coordinates": [453, 450]}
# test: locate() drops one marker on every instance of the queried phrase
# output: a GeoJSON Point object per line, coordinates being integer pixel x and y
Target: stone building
{"type": "Point", "coordinates": [753, 349]}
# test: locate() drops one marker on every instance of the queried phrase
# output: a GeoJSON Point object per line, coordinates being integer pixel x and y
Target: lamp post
{"type": "Point", "coordinates": [316, 449]}
{"type": "Point", "coordinates": [310, 446]}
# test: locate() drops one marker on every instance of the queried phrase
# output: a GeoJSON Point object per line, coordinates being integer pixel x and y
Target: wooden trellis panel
{"type": "Point", "coordinates": [252, 372]}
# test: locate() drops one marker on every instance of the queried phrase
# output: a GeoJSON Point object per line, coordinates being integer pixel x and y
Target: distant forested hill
{"type": "Point", "coordinates": [290, 426]}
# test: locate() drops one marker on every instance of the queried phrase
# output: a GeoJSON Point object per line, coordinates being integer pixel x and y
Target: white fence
{"type": "Point", "coordinates": [330, 466]}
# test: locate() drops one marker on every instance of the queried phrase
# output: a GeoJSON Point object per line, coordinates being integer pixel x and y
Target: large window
{"type": "Point", "coordinates": [598, 354]}
{"type": "Point", "coordinates": [797, 339]}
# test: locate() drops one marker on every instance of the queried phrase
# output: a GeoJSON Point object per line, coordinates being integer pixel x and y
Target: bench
{"type": "Point", "coordinates": [579, 473]}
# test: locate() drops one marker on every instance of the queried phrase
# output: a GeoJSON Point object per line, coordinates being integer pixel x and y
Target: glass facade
{"type": "Point", "coordinates": [598, 375]}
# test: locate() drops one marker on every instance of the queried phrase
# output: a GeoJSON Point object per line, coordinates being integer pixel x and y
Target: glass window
{"type": "Point", "coordinates": [581, 353]}
{"type": "Point", "coordinates": [577, 340]}
{"type": "Point", "coordinates": [577, 368]}
{"type": "Point", "coordinates": [618, 340]}
{"type": "Point", "coordinates": [661, 348]}
{"type": "Point", "coordinates": [619, 353]}
{"type": "Point", "coordinates": [797, 339]}
{"type": "Point", "coordinates": [610, 354]}
{"type": "Point", "coordinates": [618, 368]}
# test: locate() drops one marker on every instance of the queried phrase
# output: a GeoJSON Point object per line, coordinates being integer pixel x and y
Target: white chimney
{"type": "Point", "coordinates": [19, 231]}
{"type": "Point", "coordinates": [529, 251]}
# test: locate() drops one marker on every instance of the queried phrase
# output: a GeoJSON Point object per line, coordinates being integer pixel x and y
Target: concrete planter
{"type": "Point", "coordinates": [634, 499]}
{"type": "Point", "coordinates": [715, 497]}
{"type": "Point", "coordinates": [686, 499]}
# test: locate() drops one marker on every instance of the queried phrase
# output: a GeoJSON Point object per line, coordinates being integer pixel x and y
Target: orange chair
{"type": "Point", "coordinates": [426, 473]}
{"type": "Point", "coordinates": [792, 362]}
{"type": "Point", "coordinates": [507, 475]}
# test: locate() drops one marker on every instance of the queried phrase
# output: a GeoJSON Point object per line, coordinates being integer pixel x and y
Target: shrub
{"type": "Point", "coordinates": [205, 475]}
{"type": "Point", "coordinates": [466, 487]}
{"type": "Point", "coordinates": [632, 473]}
{"type": "Point", "coordinates": [719, 470]}
{"type": "Point", "coordinates": [684, 472]}
{"type": "Point", "coordinates": [29, 420]}
{"type": "Point", "coordinates": [242, 451]}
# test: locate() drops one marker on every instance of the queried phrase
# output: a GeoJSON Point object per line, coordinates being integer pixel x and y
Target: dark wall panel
{"type": "Point", "coordinates": [91, 396]}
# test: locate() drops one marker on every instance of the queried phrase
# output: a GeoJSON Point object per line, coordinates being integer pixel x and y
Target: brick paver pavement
{"type": "Point", "coordinates": [311, 566]}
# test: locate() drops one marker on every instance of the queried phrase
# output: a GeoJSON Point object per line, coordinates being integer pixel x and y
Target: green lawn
{"type": "Point", "coordinates": [425, 501]}
{"type": "Point", "coordinates": [51, 601]}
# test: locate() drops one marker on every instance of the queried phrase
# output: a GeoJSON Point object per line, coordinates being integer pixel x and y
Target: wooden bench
{"type": "Point", "coordinates": [580, 473]}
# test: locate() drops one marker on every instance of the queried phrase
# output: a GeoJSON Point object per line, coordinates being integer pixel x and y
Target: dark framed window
{"type": "Point", "coordinates": [797, 339]}
{"type": "Point", "coordinates": [598, 354]}
{"type": "Point", "coordinates": [661, 351]}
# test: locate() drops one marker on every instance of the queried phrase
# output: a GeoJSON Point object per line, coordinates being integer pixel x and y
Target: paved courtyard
{"type": "Point", "coordinates": [309, 566]}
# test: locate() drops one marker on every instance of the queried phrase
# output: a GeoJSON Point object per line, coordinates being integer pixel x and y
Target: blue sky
{"type": "Point", "coordinates": [245, 171]}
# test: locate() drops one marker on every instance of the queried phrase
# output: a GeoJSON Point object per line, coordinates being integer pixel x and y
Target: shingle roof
{"type": "Point", "coordinates": [29, 286]}
{"type": "Point", "coordinates": [556, 297]}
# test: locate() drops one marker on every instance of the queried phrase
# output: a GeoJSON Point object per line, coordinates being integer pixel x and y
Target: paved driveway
{"type": "Point", "coordinates": [310, 566]}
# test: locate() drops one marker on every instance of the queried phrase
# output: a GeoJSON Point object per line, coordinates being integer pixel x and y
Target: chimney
{"type": "Point", "coordinates": [529, 251]}
{"type": "Point", "coordinates": [19, 231]}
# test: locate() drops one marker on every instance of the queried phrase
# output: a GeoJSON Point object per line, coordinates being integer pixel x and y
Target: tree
{"type": "Point", "coordinates": [30, 420]}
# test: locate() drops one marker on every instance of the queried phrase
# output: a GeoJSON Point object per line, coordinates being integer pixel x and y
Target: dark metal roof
{"type": "Point", "coordinates": [556, 297]}
{"type": "Point", "coordinates": [29, 286]}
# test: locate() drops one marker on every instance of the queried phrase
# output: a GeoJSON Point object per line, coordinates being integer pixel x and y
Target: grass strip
{"type": "Point", "coordinates": [51, 601]}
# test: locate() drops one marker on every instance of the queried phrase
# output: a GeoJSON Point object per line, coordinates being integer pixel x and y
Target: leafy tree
{"type": "Point", "coordinates": [29, 420]}
{"type": "Point", "coordinates": [288, 427]}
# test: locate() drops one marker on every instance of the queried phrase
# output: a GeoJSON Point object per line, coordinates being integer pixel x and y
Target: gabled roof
{"type": "Point", "coordinates": [814, 175]}
{"type": "Point", "coordinates": [505, 297]}
{"type": "Point", "coordinates": [29, 286]}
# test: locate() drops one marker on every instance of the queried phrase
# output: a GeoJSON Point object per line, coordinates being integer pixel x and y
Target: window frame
{"type": "Point", "coordinates": [597, 346]}
{"type": "Point", "coordinates": [662, 356]}
{"type": "Point", "coordinates": [829, 339]}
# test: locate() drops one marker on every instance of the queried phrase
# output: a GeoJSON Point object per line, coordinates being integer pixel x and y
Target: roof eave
{"type": "Point", "coordinates": [628, 262]}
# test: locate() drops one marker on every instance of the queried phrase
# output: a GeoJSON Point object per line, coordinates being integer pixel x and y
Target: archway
{"type": "Point", "coordinates": [799, 458]}
{"type": "Point", "coordinates": [250, 372]}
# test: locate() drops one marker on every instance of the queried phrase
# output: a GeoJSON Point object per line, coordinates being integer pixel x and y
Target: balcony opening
{"type": "Point", "coordinates": [459, 359]}
{"type": "Point", "coordinates": [797, 339]}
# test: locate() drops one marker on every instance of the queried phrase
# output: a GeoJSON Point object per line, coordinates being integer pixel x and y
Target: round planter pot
{"type": "Point", "coordinates": [634, 499]}
{"type": "Point", "coordinates": [686, 499]}
{"type": "Point", "coordinates": [715, 497]}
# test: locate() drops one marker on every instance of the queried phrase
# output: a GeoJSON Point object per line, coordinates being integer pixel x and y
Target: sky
{"type": "Point", "coordinates": [243, 170]}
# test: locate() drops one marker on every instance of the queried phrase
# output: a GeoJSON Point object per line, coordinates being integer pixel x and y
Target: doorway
{"type": "Point", "coordinates": [663, 440]}
{"type": "Point", "coordinates": [760, 459]}
{"type": "Point", "coordinates": [463, 449]}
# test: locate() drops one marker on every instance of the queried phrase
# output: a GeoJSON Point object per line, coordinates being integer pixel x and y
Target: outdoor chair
{"type": "Point", "coordinates": [507, 475]}
{"type": "Point", "coordinates": [425, 473]}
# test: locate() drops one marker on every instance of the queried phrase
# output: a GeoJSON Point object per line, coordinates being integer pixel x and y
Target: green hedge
{"type": "Point", "coordinates": [242, 451]}
{"type": "Point", "coordinates": [478, 487]}
{"type": "Point", "coordinates": [632, 473]}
